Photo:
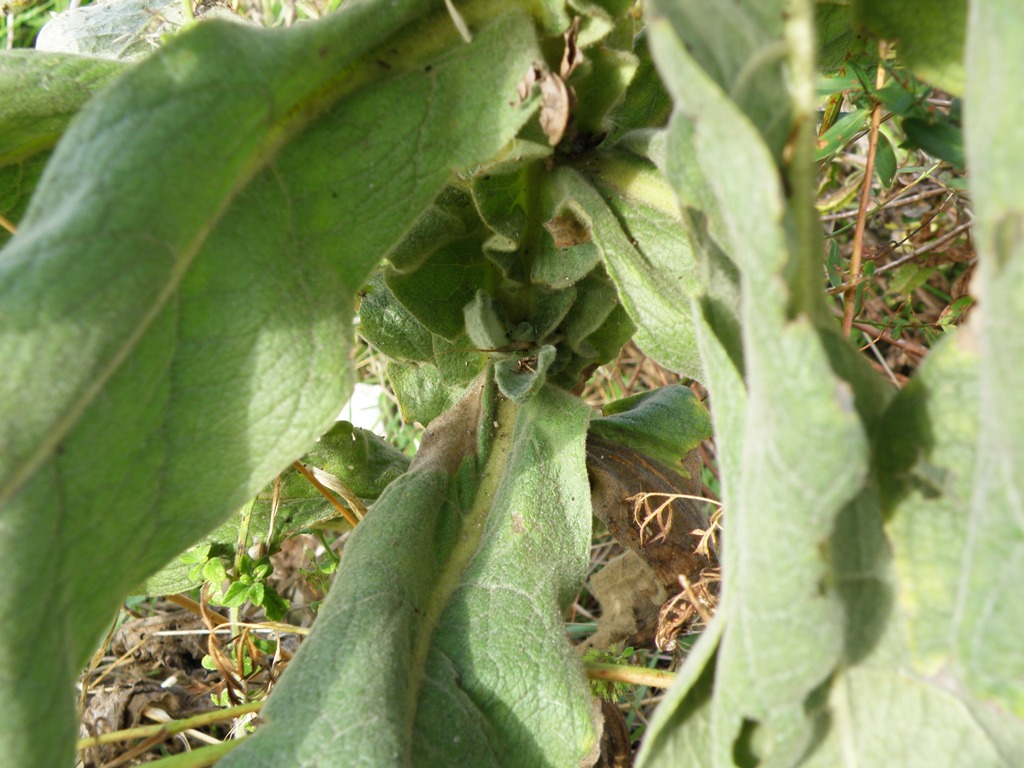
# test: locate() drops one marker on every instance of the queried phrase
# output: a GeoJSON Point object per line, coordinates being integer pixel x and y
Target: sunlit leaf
{"type": "Point", "coordinates": [177, 303]}
{"type": "Point", "coordinates": [460, 571]}
{"type": "Point", "coordinates": [992, 612]}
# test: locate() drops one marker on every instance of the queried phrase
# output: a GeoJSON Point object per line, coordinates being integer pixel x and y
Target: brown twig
{"type": "Point", "coordinates": [201, 611]}
{"type": "Point", "coordinates": [849, 301]}
{"type": "Point", "coordinates": [849, 286]}
{"type": "Point", "coordinates": [927, 248]}
{"type": "Point", "coordinates": [303, 470]}
{"type": "Point", "coordinates": [8, 225]}
{"type": "Point", "coordinates": [896, 201]}
{"type": "Point", "coordinates": [878, 334]}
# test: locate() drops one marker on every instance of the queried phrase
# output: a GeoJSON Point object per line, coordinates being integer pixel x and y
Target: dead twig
{"type": "Point", "coordinates": [865, 196]}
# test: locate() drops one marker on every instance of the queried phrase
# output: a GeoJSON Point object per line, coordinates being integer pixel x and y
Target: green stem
{"type": "Point", "coordinates": [170, 728]}
{"type": "Point", "coordinates": [199, 758]}
{"type": "Point", "coordinates": [473, 525]}
{"type": "Point", "coordinates": [623, 673]}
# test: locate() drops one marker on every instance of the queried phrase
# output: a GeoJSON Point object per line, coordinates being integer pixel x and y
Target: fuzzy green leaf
{"type": "Point", "coordinates": [992, 611]}
{"type": "Point", "coordinates": [40, 93]}
{"type": "Point", "coordinates": [177, 302]}
{"type": "Point", "coordinates": [665, 424]}
{"type": "Point", "coordinates": [500, 188]}
{"type": "Point", "coordinates": [802, 454]}
{"type": "Point", "coordinates": [519, 379]}
{"type": "Point", "coordinates": [646, 252]}
{"type": "Point", "coordinates": [447, 280]}
{"type": "Point", "coordinates": [485, 328]}
{"type": "Point", "coordinates": [390, 327]}
{"type": "Point", "coordinates": [457, 575]}
{"type": "Point", "coordinates": [743, 53]}
{"type": "Point", "coordinates": [646, 103]}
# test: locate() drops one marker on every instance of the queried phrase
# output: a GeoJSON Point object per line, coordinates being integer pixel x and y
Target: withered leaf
{"type": "Point", "coordinates": [619, 474]}
{"type": "Point", "coordinates": [571, 56]}
{"type": "Point", "coordinates": [631, 597]}
{"type": "Point", "coordinates": [556, 105]}
{"type": "Point", "coordinates": [567, 229]}
{"type": "Point", "coordinates": [524, 86]}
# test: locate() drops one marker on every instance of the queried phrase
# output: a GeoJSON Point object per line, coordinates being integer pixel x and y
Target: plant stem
{"type": "Point", "coordinates": [199, 758]}
{"type": "Point", "coordinates": [191, 605]}
{"type": "Point", "coordinates": [623, 673]}
{"type": "Point", "coordinates": [849, 300]}
{"type": "Point", "coordinates": [169, 728]}
{"type": "Point", "coordinates": [342, 509]}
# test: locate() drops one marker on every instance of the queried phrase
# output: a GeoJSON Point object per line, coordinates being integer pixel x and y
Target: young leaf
{"type": "Point", "coordinates": [665, 424]}
{"type": "Point", "coordinates": [485, 328]}
{"type": "Point", "coordinates": [389, 326]}
{"type": "Point", "coordinates": [441, 642]}
{"type": "Point", "coordinates": [519, 379]}
{"type": "Point", "coordinates": [653, 274]}
{"type": "Point", "coordinates": [842, 133]}
{"type": "Point", "coordinates": [885, 161]}
{"type": "Point", "coordinates": [448, 279]}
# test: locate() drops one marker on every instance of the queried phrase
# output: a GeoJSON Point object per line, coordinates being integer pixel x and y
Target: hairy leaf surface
{"type": "Point", "coordinates": [803, 454]}
{"type": "Point", "coordinates": [988, 597]}
{"type": "Point", "coordinates": [39, 94]}
{"type": "Point", "coordinates": [646, 252]}
{"type": "Point", "coordinates": [441, 642]}
{"type": "Point", "coordinates": [177, 303]}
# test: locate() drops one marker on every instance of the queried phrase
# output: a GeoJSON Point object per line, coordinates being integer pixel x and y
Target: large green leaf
{"type": "Point", "coordinates": [900, 642]}
{"type": "Point", "coordinates": [744, 53]}
{"type": "Point", "coordinates": [441, 642]}
{"type": "Point", "coordinates": [803, 452]}
{"type": "Point", "coordinates": [917, 639]}
{"type": "Point", "coordinates": [992, 612]}
{"type": "Point", "coordinates": [177, 303]}
{"type": "Point", "coordinates": [665, 424]}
